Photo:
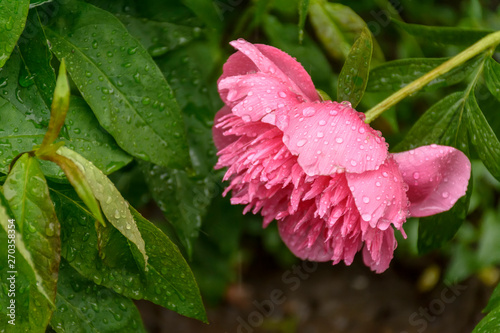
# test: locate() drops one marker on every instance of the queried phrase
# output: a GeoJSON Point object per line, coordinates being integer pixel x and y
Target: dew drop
{"type": "Point", "coordinates": [445, 194]}
{"type": "Point", "coordinates": [339, 140]}
{"type": "Point", "coordinates": [416, 175]}
{"type": "Point", "coordinates": [302, 142]}
{"type": "Point", "coordinates": [308, 112]}
{"type": "Point", "coordinates": [366, 217]}
{"type": "Point", "coordinates": [322, 123]}
{"type": "Point", "coordinates": [320, 134]}
{"type": "Point", "coordinates": [282, 94]}
{"type": "Point", "coordinates": [366, 199]}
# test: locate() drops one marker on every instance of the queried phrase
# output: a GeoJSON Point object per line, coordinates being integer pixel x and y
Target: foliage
{"type": "Point", "coordinates": [132, 123]}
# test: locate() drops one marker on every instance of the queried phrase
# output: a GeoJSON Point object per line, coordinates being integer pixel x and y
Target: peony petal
{"type": "Point", "coordinates": [220, 140]}
{"type": "Point", "coordinates": [437, 177]}
{"type": "Point", "coordinates": [378, 253]}
{"type": "Point", "coordinates": [329, 137]}
{"type": "Point", "coordinates": [380, 195]}
{"type": "Point", "coordinates": [263, 58]}
{"type": "Point", "coordinates": [257, 96]}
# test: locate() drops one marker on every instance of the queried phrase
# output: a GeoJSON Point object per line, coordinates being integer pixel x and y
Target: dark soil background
{"type": "Point", "coordinates": [321, 298]}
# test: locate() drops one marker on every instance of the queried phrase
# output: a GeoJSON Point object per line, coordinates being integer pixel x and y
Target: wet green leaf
{"type": "Point", "coordinates": [436, 230]}
{"type": "Point", "coordinates": [36, 58]}
{"type": "Point", "coordinates": [13, 16]}
{"type": "Point", "coordinates": [394, 75]}
{"type": "Point", "coordinates": [490, 323]}
{"type": "Point", "coordinates": [167, 282]}
{"type": "Point", "coordinates": [354, 75]}
{"type": "Point", "coordinates": [83, 306]}
{"type": "Point", "coordinates": [79, 182]}
{"type": "Point", "coordinates": [27, 291]}
{"type": "Point", "coordinates": [206, 11]}
{"type": "Point", "coordinates": [443, 35]}
{"type": "Point", "coordinates": [338, 27]}
{"type": "Point", "coordinates": [122, 84]}
{"type": "Point", "coordinates": [114, 207]}
{"type": "Point", "coordinates": [483, 138]}
{"type": "Point", "coordinates": [303, 9]}
{"type": "Point", "coordinates": [37, 243]}
{"type": "Point", "coordinates": [440, 124]}
{"type": "Point", "coordinates": [494, 301]}
{"type": "Point", "coordinates": [25, 112]}
{"type": "Point", "coordinates": [492, 77]}
{"type": "Point", "coordinates": [159, 37]}
{"type": "Point", "coordinates": [184, 199]}
{"type": "Point", "coordinates": [59, 110]}
{"type": "Point", "coordinates": [327, 30]}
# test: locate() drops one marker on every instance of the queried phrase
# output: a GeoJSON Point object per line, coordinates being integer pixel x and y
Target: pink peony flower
{"type": "Point", "coordinates": [317, 168]}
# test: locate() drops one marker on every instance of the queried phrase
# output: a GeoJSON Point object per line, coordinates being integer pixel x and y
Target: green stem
{"type": "Point", "coordinates": [488, 41]}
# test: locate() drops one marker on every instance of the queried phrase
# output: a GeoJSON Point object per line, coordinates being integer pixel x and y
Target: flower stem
{"type": "Point", "coordinates": [486, 42]}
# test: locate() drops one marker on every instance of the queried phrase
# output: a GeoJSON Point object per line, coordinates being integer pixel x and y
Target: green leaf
{"type": "Point", "coordinates": [121, 83]}
{"type": "Point", "coordinates": [494, 301]}
{"type": "Point", "coordinates": [36, 58]}
{"type": "Point", "coordinates": [58, 111]}
{"type": "Point", "coordinates": [168, 281]}
{"type": "Point", "coordinates": [206, 11]}
{"type": "Point", "coordinates": [79, 183]}
{"type": "Point", "coordinates": [87, 138]}
{"type": "Point", "coordinates": [37, 243]}
{"type": "Point", "coordinates": [113, 205]}
{"type": "Point", "coordinates": [488, 250]}
{"type": "Point", "coordinates": [13, 16]}
{"type": "Point", "coordinates": [435, 231]}
{"type": "Point", "coordinates": [216, 252]}
{"type": "Point", "coordinates": [443, 35]}
{"type": "Point", "coordinates": [303, 9]}
{"type": "Point", "coordinates": [183, 199]}
{"type": "Point", "coordinates": [159, 37]}
{"type": "Point", "coordinates": [354, 75]}
{"type": "Point", "coordinates": [32, 309]}
{"type": "Point", "coordinates": [492, 77]}
{"type": "Point", "coordinates": [83, 306]}
{"type": "Point", "coordinates": [337, 27]}
{"type": "Point", "coordinates": [439, 124]}
{"type": "Point", "coordinates": [394, 75]}
{"type": "Point", "coordinates": [483, 138]}
{"type": "Point", "coordinates": [25, 112]}
{"type": "Point", "coordinates": [490, 323]}
{"type": "Point", "coordinates": [327, 30]}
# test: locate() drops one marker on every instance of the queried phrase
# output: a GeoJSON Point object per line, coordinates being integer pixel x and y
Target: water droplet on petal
{"type": "Point", "coordinates": [353, 163]}
{"type": "Point", "coordinates": [366, 217]}
{"type": "Point", "coordinates": [445, 194]}
{"type": "Point", "coordinates": [308, 112]}
{"type": "Point", "coordinates": [302, 142]}
{"type": "Point", "coordinates": [282, 94]}
{"type": "Point", "coordinates": [416, 175]}
{"type": "Point", "coordinates": [320, 134]}
{"type": "Point", "coordinates": [339, 140]}
{"type": "Point", "coordinates": [366, 199]}
{"type": "Point", "coordinates": [322, 123]}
